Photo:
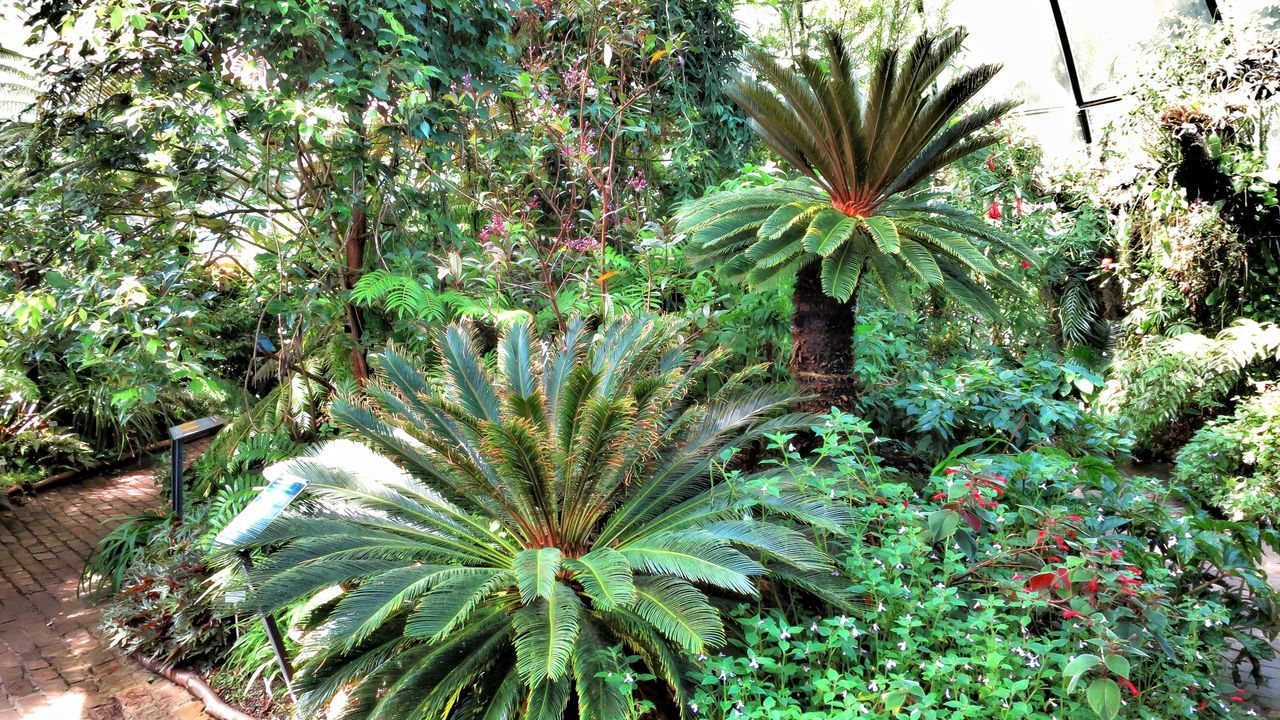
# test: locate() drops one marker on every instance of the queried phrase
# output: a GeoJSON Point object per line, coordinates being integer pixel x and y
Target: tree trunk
{"type": "Point", "coordinates": [822, 342]}
{"type": "Point", "coordinates": [353, 247]}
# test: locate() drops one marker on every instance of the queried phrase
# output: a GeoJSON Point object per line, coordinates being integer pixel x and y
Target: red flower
{"type": "Point", "coordinates": [1107, 263]}
{"type": "Point", "coordinates": [997, 121]}
{"type": "Point", "coordinates": [991, 163]}
{"type": "Point", "coordinates": [994, 211]}
{"type": "Point", "coordinates": [1236, 698]}
{"type": "Point", "coordinates": [938, 496]}
{"type": "Point", "coordinates": [1070, 614]}
{"type": "Point", "coordinates": [951, 471]}
{"type": "Point", "coordinates": [1077, 518]}
{"type": "Point", "coordinates": [1129, 685]}
{"type": "Point", "coordinates": [1018, 206]}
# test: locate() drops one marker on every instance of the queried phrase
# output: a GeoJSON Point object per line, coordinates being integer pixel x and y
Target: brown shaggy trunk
{"type": "Point", "coordinates": [822, 342]}
{"type": "Point", "coordinates": [353, 249]}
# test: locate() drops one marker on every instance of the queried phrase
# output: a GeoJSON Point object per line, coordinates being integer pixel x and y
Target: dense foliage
{"type": "Point", "coordinates": [476, 271]}
{"type": "Point", "coordinates": [1012, 586]}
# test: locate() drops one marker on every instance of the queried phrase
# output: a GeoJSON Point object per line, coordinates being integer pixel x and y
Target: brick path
{"type": "Point", "coordinates": [1267, 697]}
{"type": "Point", "coordinates": [53, 666]}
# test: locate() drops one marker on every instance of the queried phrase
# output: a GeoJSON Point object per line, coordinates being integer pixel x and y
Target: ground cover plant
{"type": "Point", "coordinates": [1030, 585]}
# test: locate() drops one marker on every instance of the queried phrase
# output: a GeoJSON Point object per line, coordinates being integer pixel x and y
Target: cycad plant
{"type": "Point", "coordinates": [530, 526]}
{"type": "Point", "coordinates": [859, 213]}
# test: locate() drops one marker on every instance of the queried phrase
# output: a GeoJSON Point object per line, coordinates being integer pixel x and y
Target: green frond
{"type": "Point", "coordinates": [788, 217]}
{"type": "Point", "coordinates": [821, 228]}
{"type": "Point", "coordinates": [548, 700]}
{"type": "Point", "coordinates": [546, 632]}
{"type": "Point", "coordinates": [842, 270]}
{"type": "Point", "coordinates": [884, 231]}
{"type": "Point", "coordinates": [447, 607]}
{"type": "Point", "coordinates": [536, 572]}
{"type": "Point", "coordinates": [699, 560]}
{"type": "Point", "coordinates": [606, 577]}
{"type": "Point", "coordinates": [680, 612]}
{"type": "Point", "coordinates": [594, 667]}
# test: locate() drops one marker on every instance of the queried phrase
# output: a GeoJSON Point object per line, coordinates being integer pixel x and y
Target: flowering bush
{"type": "Point", "coordinates": [1030, 586]}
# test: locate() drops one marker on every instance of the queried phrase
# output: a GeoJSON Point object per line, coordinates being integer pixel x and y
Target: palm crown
{"type": "Point", "coordinates": [559, 504]}
{"type": "Point", "coordinates": [862, 155]}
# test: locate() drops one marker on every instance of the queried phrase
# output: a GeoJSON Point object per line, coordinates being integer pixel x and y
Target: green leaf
{"type": "Point", "coordinates": [1119, 665]}
{"type": "Point", "coordinates": [596, 670]}
{"type": "Point", "coordinates": [536, 572]}
{"type": "Point", "coordinates": [679, 611]}
{"type": "Point", "coordinates": [703, 560]}
{"type": "Point", "coordinates": [842, 270]}
{"type": "Point", "coordinates": [548, 700]}
{"type": "Point", "coordinates": [785, 218]}
{"type": "Point", "coordinates": [943, 524]}
{"type": "Point", "coordinates": [546, 632]}
{"type": "Point", "coordinates": [1078, 667]}
{"type": "Point", "coordinates": [1104, 698]}
{"type": "Point", "coordinates": [442, 610]}
{"type": "Point", "coordinates": [606, 578]}
{"type": "Point", "coordinates": [822, 228]}
{"type": "Point", "coordinates": [884, 232]}
{"type": "Point", "coordinates": [838, 236]}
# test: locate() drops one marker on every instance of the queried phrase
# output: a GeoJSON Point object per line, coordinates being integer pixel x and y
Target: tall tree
{"type": "Point", "coordinates": [861, 214]}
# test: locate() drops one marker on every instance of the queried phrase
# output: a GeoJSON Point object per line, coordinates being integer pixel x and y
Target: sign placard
{"type": "Point", "coordinates": [259, 513]}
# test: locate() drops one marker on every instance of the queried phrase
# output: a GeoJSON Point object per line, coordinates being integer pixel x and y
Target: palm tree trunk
{"type": "Point", "coordinates": [822, 342]}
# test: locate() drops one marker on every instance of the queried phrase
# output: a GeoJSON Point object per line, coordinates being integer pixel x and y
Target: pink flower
{"type": "Point", "coordinates": [497, 226]}
{"type": "Point", "coordinates": [638, 182]}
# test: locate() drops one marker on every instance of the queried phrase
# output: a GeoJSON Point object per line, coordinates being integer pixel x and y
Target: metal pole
{"type": "Point", "coordinates": [1070, 59]}
{"type": "Point", "coordinates": [273, 631]}
{"type": "Point", "coordinates": [176, 478]}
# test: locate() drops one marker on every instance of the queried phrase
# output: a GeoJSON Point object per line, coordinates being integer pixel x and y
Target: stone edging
{"type": "Point", "coordinates": [214, 705]}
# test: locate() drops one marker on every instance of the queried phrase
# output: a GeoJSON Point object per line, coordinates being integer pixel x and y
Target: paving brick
{"type": "Point", "coordinates": [49, 646]}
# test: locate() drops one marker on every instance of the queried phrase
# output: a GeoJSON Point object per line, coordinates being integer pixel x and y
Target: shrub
{"type": "Point", "coordinates": [542, 515]}
{"type": "Point", "coordinates": [1037, 585]}
{"type": "Point", "coordinates": [1167, 379]}
{"type": "Point", "coordinates": [936, 404]}
{"type": "Point", "coordinates": [163, 608]}
{"type": "Point", "coordinates": [1233, 462]}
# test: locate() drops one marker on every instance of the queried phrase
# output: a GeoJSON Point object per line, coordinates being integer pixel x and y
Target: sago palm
{"type": "Point", "coordinates": [858, 214]}
{"type": "Point", "coordinates": [517, 526]}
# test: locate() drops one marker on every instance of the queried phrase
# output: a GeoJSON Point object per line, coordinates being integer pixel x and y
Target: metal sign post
{"type": "Point", "coordinates": [245, 526]}
{"type": "Point", "coordinates": [178, 434]}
